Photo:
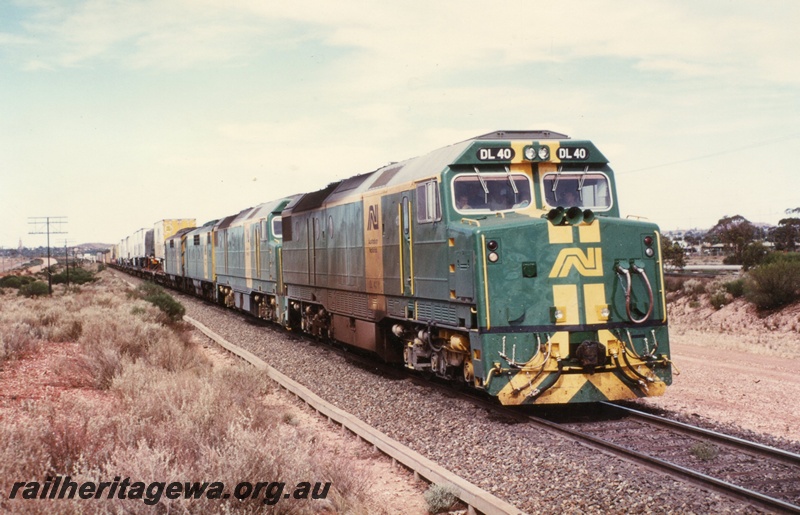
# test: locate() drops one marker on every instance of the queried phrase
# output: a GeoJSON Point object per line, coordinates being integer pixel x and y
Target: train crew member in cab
{"type": "Point", "coordinates": [499, 200]}
{"type": "Point", "coordinates": [569, 198]}
{"type": "Point", "coordinates": [462, 202]}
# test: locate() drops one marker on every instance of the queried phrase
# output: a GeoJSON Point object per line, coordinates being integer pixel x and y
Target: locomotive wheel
{"type": "Point", "coordinates": [439, 364]}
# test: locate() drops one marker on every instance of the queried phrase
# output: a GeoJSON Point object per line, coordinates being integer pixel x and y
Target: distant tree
{"type": "Point", "coordinates": [735, 231]}
{"type": "Point", "coordinates": [673, 253]}
{"type": "Point", "coordinates": [692, 238]}
{"type": "Point", "coordinates": [786, 235]}
{"type": "Point", "coordinates": [753, 254]}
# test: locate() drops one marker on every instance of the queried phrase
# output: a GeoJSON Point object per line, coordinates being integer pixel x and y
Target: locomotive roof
{"type": "Point", "coordinates": [257, 212]}
{"type": "Point", "coordinates": [435, 162]}
{"type": "Point", "coordinates": [180, 233]}
{"type": "Point", "coordinates": [526, 135]}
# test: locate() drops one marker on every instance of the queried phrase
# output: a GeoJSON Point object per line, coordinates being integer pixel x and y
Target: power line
{"type": "Point", "coordinates": [715, 154]}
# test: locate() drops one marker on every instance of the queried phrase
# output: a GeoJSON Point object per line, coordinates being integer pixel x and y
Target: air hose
{"type": "Point", "coordinates": [627, 275]}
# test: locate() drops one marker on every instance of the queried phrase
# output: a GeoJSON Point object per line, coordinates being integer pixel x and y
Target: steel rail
{"type": "Point", "coordinates": [784, 456]}
{"type": "Point", "coordinates": [677, 471]}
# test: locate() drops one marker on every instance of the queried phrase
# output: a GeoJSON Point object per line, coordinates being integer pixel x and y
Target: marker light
{"type": "Point", "coordinates": [491, 245]}
{"type": "Point", "coordinates": [648, 240]}
{"type": "Point", "coordinates": [649, 252]}
{"type": "Point", "coordinates": [558, 315]}
{"type": "Point", "coordinates": [493, 257]}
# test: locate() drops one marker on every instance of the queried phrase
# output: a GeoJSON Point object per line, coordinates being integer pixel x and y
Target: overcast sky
{"type": "Point", "coordinates": [116, 114]}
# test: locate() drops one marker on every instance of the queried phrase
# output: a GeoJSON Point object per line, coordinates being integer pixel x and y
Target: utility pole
{"type": "Point", "coordinates": [66, 257]}
{"type": "Point", "coordinates": [41, 225]}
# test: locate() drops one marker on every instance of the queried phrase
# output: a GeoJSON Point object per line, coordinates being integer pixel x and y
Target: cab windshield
{"type": "Point", "coordinates": [489, 192]}
{"type": "Point", "coordinates": [582, 189]}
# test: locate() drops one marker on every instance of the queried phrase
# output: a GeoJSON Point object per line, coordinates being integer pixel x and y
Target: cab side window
{"type": "Point", "coordinates": [429, 208]}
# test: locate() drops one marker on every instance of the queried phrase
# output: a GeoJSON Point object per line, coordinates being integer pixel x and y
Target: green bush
{"type": "Point", "coordinates": [11, 281]}
{"type": "Point", "coordinates": [34, 289]}
{"type": "Point", "coordinates": [75, 276]}
{"type": "Point", "coordinates": [735, 287]}
{"type": "Point", "coordinates": [15, 281]}
{"type": "Point", "coordinates": [145, 289]}
{"type": "Point", "coordinates": [753, 255]}
{"type": "Point", "coordinates": [156, 296]}
{"type": "Point", "coordinates": [720, 298]}
{"type": "Point", "coordinates": [777, 257]}
{"type": "Point", "coordinates": [774, 285]}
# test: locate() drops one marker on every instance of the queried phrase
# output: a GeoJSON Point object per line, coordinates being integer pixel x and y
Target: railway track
{"type": "Point", "coordinates": [761, 475]}
{"type": "Point", "coordinates": [764, 476]}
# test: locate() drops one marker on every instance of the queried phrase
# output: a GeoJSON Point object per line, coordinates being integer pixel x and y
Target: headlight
{"type": "Point", "coordinates": [530, 153]}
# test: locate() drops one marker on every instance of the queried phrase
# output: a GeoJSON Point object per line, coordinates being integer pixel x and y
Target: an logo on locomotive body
{"type": "Point", "coordinates": [373, 244]}
{"type": "Point", "coordinates": [372, 220]}
{"type": "Point", "coordinates": [589, 264]}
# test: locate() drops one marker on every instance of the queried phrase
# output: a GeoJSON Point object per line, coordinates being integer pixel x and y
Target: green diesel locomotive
{"type": "Point", "coordinates": [501, 261]}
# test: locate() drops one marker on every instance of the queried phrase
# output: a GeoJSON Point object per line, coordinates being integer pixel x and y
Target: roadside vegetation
{"type": "Point", "coordinates": [773, 284]}
{"type": "Point", "coordinates": [125, 391]}
{"type": "Point", "coordinates": [36, 284]}
{"type": "Point", "coordinates": [769, 259]}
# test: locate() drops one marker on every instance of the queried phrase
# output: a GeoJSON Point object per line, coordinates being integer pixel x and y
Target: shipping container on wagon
{"type": "Point", "coordinates": [136, 245]}
{"type": "Point", "coordinates": [125, 249]}
{"type": "Point", "coordinates": [163, 229]}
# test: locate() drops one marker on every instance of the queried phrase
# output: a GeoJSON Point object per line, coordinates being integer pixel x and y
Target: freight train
{"type": "Point", "coordinates": [501, 262]}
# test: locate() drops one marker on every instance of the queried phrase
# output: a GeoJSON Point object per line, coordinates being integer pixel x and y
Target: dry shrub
{"type": "Point", "coordinates": [74, 430]}
{"type": "Point", "coordinates": [175, 353]}
{"type": "Point", "coordinates": [22, 457]}
{"type": "Point", "coordinates": [101, 366]}
{"type": "Point", "coordinates": [213, 427]}
{"type": "Point", "coordinates": [167, 415]}
{"type": "Point", "coordinates": [60, 323]}
{"type": "Point", "coordinates": [350, 483]}
{"type": "Point", "coordinates": [17, 340]}
{"type": "Point", "coordinates": [19, 327]}
{"type": "Point", "coordinates": [694, 287]}
{"type": "Point", "coordinates": [114, 329]}
{"type": "Point", "coordinates": [673, 284]}
{"type": "Point", "coordinates": [440, 497]}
